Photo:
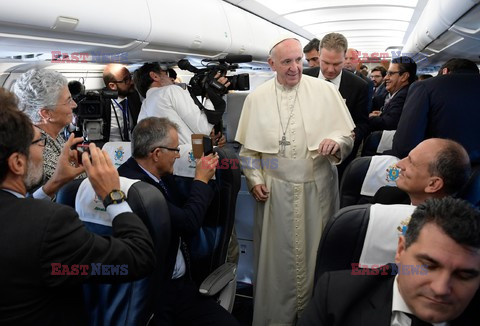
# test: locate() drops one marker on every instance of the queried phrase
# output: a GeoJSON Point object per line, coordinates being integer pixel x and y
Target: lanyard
{"type": "Point", "coordinates": [126, 118]}
{"type": "Point", "coordinates": [124, 110]}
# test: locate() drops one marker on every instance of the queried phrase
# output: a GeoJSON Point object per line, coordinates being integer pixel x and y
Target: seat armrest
{"type": "Point", "coordinates": [218, 279]}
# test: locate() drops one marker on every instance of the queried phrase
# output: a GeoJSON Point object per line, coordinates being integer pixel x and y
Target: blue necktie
{"type": "Point", "coordinates": [162, 184]}
{"type": "Point", "coordinates": [126, 128]}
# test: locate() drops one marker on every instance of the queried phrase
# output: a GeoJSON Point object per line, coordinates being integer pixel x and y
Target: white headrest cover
{"type": "Point", "coordinates": [384, 227]}
{"type": "Point", "coordinates": [119, 152]}
{"type": "Point", "coordinates": [381, 172]}
{"type": "Point", "coordinates": [386, 142]}
{"type": "Point", "coordinates": [90, 208]}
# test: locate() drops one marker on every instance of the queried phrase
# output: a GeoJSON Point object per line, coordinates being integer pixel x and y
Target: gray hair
{"type": "Point", "coordinates": [150, 133]}
{"type": "Point", "coordinates": [37, 89]}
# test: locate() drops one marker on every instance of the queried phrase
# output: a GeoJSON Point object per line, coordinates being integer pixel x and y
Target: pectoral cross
{"type": "Point", "coordinates": [282, 144]}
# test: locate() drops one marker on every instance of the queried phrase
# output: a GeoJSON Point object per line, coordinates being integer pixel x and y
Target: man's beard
{"type": "Point", "coordinates": [34, 175]}
{"type": "Point", "coordinates": [125, 93]}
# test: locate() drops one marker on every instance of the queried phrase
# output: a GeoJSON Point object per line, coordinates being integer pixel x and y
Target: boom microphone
{"type": "Point", "coordinates": [238, 58]}
{"type": "Point", "coordinates": [185, 65]}
{"type": "Point", "coordinates": [75, 87]}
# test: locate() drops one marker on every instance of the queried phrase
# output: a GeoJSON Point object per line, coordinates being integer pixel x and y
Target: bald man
{"type": "Point", "coordinates": [435, 168]}
{"type": "Point", "coordinates": [122, 117]}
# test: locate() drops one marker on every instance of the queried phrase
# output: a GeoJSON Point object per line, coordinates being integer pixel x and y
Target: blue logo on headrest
{"type": "Point", "coordinates": [119, 154]}
{"type": "Point", "coordinates": [392, 173]}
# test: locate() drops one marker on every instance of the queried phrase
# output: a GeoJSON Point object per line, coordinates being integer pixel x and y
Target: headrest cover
{"type": "Point", "coordinates": [119, 152]}
{"type": "Point", "coordinates": [90, 208]}
{"type": "Point", "coordinates": [381, 172]}
{"type": "Point", "coordinates": [385, 225]}
{"type": "Point", "coordinates": [185, 165]}
{"type": "Point", "coordinates": [386, 141]}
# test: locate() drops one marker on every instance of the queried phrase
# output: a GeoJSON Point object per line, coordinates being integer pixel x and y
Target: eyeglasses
{"type": "Point", "coordinates": [167, 148]}
{"type": "Point", "coordinates": [69, 102]}
{"type": "Point", "coordinates": [125, 80]}
{"type": "Point", "coordinates": [389, 73]}
{"type": "Point", "coordinates": [42, 141]}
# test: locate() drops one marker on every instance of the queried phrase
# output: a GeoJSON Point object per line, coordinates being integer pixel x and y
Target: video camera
{"type": "Point", "coordinates": [204, 78]}
{"type": "Point", "coordinates": [89, 110]}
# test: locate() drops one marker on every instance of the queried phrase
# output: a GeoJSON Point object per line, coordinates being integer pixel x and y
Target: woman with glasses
{"type": "Point", "coordinates": [44, 96]}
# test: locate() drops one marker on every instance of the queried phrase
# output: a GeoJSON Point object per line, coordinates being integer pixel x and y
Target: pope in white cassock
{"type": "Point", "coordinates": [293, 129]}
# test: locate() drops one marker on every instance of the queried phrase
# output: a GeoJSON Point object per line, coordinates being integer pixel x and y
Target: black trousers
{"type": "Point", "coordinates": [184, 305]}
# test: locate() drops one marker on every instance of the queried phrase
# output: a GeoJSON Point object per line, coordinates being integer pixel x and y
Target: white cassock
{"type": "Point", "coordinates": [303, 187]}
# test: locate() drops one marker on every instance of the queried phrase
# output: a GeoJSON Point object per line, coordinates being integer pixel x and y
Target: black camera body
{"type": "Point", "coordinates": [90, 105]}
{"type": "Point", "coordinates": [204, 78]}
{"type": "Point", "coordinates": [89, 112]}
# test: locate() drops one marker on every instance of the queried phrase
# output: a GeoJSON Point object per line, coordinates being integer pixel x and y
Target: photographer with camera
{"type": "Point", "coordinates": [122, 117]}
{"type": "Point", "coordinates": [164, 99]}
{"type": "Point", "coordinates": [44, 96]}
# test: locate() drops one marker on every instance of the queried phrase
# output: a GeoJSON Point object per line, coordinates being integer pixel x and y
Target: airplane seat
{"type": "Point", "coordinates": [119, 152]}
{"type": "Point", "coordinates": [352, 181]}
{"type": "Point", "coordinates": [370, 144]}
{"type": "Point", "coordinates": [231, 116]}
{"type": "Point", "coordinates": [361, 234]}
{"type": "Point", "coordinates": [471, 190]}
{"type": "Point", "coordinates": [128, 303]}
{"type": "Point", "coordinates": [378, 142]}
{"type": "Point", "coordinates": [208, 249]}
{"type": "Point", "coordinates": [364, 176]}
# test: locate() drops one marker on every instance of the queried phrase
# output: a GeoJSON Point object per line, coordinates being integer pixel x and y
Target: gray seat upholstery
{"type": "Point", "coordinates": [232, 115]}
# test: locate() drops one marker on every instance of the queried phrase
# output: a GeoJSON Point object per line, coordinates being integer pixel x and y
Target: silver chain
{"type": "Point", "coordinates": [284, 131]}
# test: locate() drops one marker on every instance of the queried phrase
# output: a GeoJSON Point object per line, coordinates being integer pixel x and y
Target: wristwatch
{"type": "Point", "coordinates": [114, 197]}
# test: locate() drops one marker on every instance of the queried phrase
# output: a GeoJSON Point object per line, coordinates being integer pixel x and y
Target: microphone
{"type": "Point", "coordinates": [75, 87]}
{"type": "Point", "coordinates": [238, 58]}
{"type": "Point", "coordinates": [185, 65]}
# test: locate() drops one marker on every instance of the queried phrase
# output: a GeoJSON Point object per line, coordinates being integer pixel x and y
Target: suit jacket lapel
{"type": "Point", "coordinates": [378, 310]}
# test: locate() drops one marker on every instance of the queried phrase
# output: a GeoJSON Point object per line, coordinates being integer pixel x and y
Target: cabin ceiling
{"type": "Point", "coordinates": [371, 26]}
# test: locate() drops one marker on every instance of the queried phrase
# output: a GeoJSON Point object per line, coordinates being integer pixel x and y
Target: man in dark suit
{"type": "Point", "coordinates": [122, 117]}
{"type": "Point", "coordinates": [435, 168]}
{"type": "Point", "coordinates": [353, 89]}
{"type": "Point", "coordinates": [400, 75]}
{"type": "Point", "coordinates": [437, 281]}
{"type": "Point", "coordinates": [154, 151]}
{"type": "Point", "coordinates": [352, 61]}
{"type": "Point", "coordinates": [446, 106]}
{"type": "Point", "coordinates": [379, 91]}
{"type": "Point", "coordinates": [46, 251]}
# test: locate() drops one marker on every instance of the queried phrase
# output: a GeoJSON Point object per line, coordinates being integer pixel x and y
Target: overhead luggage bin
{"type": "Point", "coordinates": [437, 19]}
{"type": "Point", "coordinates": [98, 27]}
{"type": "Point", "coordinates": [190, 27]}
